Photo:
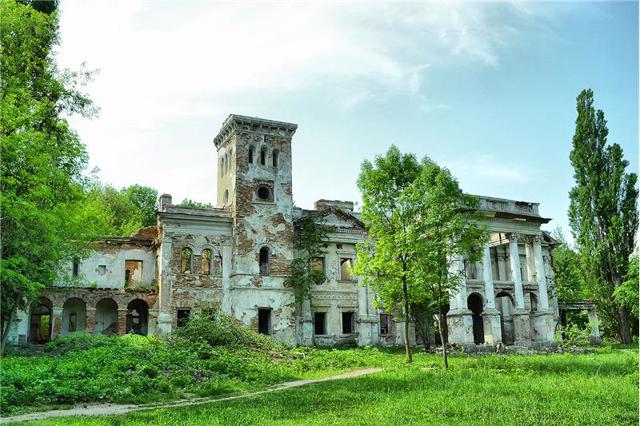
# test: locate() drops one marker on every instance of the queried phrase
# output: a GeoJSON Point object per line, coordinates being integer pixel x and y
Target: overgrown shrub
{"type": "Point", "coordinates": [225, 331]}
{"type": "Point", "coordinates": [573, 335]}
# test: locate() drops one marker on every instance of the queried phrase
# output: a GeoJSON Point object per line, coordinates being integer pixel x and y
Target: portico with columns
{"type": "Point", "coordinates": [505, 298]}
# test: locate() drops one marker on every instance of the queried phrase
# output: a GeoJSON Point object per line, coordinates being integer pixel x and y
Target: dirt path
{"type": "Point", "coordinates": [110, 409]}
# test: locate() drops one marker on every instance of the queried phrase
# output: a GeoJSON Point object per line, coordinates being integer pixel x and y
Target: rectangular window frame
{"type": "Point", "coordinates": [385, 324]}
{"type": "Point", "coordinates": [322, 320]}
{"type": "Point", "coordinates": [351, 322]}
{"type": "Point", "coordinates": [266, 329]}
{"type": "Point", "coordinates": [128, 276]}
{"type": "Point", "coordinates": [352, 277]}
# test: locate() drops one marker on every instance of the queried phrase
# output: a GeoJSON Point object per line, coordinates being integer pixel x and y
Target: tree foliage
{"type": "Point", "coordinates": [189, 203]}
{"type": "Point", "coordinates": [566, 267]}
{"type": "Point", "coordinates": [385, 259]}
{"type": "Point", "coordinates": [445, 230]}
{"type": "Point", "coordinates": [110, 211]}
{"type": "Point", "coordinates": [627, 294]}
{"type": "Point", "coordinates": [603, 212]}
{"type": "Point", "coordinates": [42, 157]}
{"type": "Point", "coordinates": [419, 221]}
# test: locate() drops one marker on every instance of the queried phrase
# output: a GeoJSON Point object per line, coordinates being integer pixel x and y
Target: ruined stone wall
{"type": "Point", "coordinates": [193, 288]}
{"type": "Point", "coordinates": [88, 299]}
{"type": "Point", "coordinates": [104, 267]}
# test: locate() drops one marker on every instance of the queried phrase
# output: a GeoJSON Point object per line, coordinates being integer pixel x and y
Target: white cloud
{"type": "Point", "coordinates": [169, 68]}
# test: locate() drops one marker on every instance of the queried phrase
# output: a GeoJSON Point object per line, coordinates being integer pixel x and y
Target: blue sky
{"type": "Point", "coordinates": [486, 89]}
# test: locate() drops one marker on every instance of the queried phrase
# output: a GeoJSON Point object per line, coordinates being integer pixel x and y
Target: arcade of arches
{"type": "Point", "coordinates": [50, 317]}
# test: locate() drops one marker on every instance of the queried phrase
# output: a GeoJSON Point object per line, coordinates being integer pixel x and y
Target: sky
{"type": "Point", "coordinates": [485, 89]}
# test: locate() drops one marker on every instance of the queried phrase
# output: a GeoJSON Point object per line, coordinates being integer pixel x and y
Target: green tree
{"type": "Point", "coordinates": [603, 212]}
{"type": "Point", "coordinates": [309, 243]}
{"type": "Point", "coordinates": [189, 203]}
{"type": "Point", "coordinates": [112, 211]}
{"type": "Point", "coordinates": [627, 294]}
{"type": "Point", "coordinates": [385, 260]}
{"type": "Point", "coordinates": [420, 224]}
{"type": "Point", "coordinates": [445, 229]}
{"type": "Point", "coordinates": [566, 267]}
{"type": "Point", "coordinates": [42, 157]}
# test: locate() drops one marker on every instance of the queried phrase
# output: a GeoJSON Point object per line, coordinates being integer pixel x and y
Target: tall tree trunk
{"type": "Point", "coordinates": [624, 330]}
{"type": "Point", "coordinates": [445, 359]}
{"type": "Point", "coordinates": [405, 294]}
{"type": "Point", "coordinates": [5, 329]}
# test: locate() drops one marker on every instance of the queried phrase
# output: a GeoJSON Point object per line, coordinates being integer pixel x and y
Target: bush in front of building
{"type": "Point", "coordinates": [222, 330]}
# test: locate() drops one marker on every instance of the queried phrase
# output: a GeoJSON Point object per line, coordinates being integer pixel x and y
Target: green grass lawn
{"type": "Point", "coordinates": [599, 388]}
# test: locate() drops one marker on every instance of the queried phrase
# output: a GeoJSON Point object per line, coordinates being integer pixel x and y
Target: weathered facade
{"type": "Point", "coordinates": [236, 259]}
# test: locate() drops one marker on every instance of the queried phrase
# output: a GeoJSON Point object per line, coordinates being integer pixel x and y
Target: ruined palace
{"type": "Point", "coordinates": [235, 258]}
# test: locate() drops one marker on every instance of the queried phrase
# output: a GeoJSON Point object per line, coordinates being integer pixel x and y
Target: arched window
{"type": "Point", "coordinates": [275, 158]}
{"type": "Point", "coordinates": [207, 255]}
{"type": "Point", "coordinates": [265, 267]}
{"type": "Point", "coordinates": [263, 156]}
{"type": "Point", "coordinates": [186, 255]}
{"type": "Point", "coordinates": [251, 155]}
{"type": "Point", "coordinates": [40, 326]}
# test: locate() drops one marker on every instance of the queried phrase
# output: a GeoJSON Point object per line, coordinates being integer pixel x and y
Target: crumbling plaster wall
{"type": "Point", "coordinates": [336, 295]}
{"type": "Point", "coordinates": [112, 257]}
{"type": "Point", "coordinates": [258, 224]}
{"type": "Point", "coordinates": [197, 230]}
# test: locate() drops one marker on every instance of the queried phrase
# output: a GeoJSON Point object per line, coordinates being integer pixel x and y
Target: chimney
{"type": "Point", "coordinates": [164, 202]}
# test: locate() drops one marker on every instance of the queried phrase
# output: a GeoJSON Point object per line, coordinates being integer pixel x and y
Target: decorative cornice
{"type": "Point", "coordinates": [235, 123]}
{"type": "Point", "coordinates": [514, 236]}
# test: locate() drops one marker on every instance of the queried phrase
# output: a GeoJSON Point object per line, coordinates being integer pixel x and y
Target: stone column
{"type": "Point", "coordinates": [521, 320]}
{"type": "Point", "coordinates": [514, 258]}
{"type": "Point", "coordinates": [56, 322]}
{"type": "Point", "coordinates": [595, 329]}
{"type": "Point", "coordinates": [490, 315]}
{"type": "Point", "coordinates": [544, 319]}
{"type": "Point", "coordinates": [541, 277]}
{"type": "Point", "coordinates": [91, 320]}
{"type": "Point", "coordinates": [459, 319]}
{"type": "Point", "coordinates": [122, 321]}
{"type": "Point", "coordinates": [367, 324]}
{"type": "Point", "coordinates": [531, 268]}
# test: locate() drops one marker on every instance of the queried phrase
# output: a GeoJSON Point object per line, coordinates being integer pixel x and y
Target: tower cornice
{"type": "Point", "coordinates": [238, 123]}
